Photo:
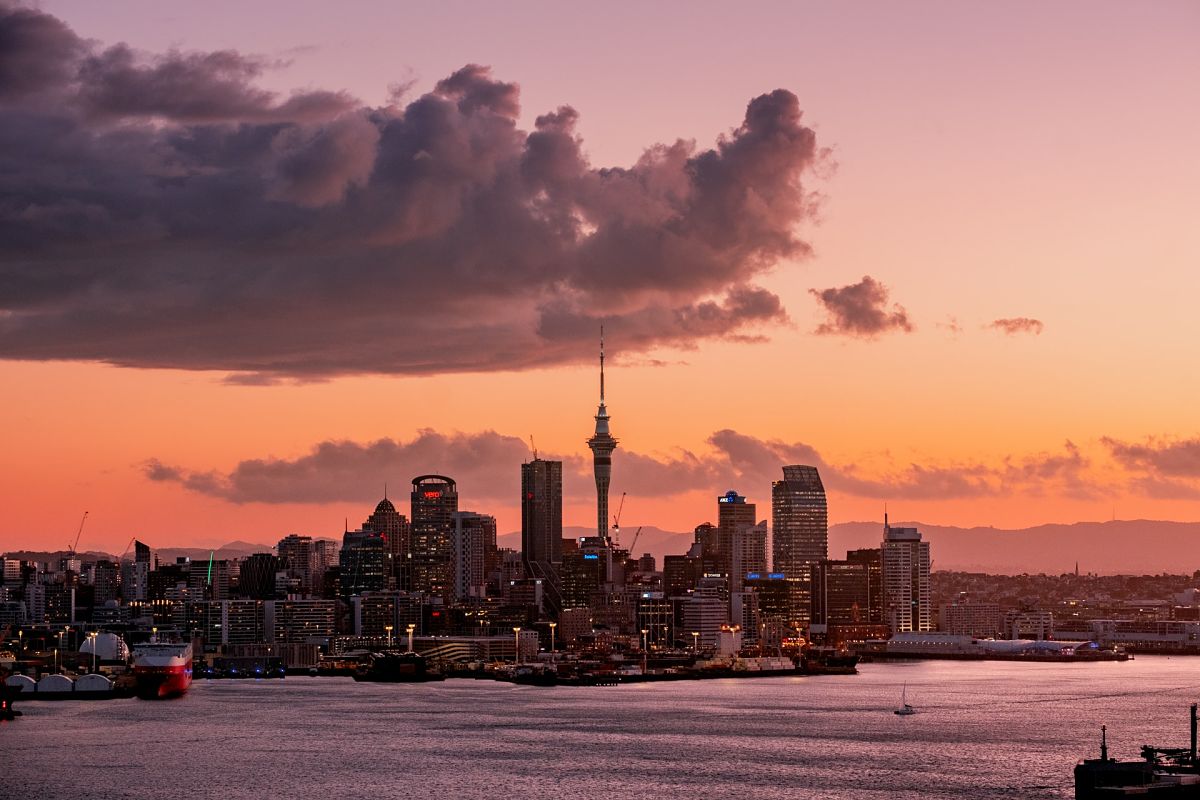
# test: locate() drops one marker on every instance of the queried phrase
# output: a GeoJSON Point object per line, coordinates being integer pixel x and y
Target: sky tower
{"type": "Point", "coordinates": [602, 445]}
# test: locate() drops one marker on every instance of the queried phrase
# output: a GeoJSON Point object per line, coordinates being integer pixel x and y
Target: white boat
{"type": "Point", "coordinates": [905, 709]}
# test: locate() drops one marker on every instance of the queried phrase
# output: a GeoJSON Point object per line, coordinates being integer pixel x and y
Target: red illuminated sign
{"type": "Point", "coordinates": [432, 495]}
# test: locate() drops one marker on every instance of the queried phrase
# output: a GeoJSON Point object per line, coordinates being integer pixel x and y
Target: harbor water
{"type": "Point", "coordinates": [983, 729]}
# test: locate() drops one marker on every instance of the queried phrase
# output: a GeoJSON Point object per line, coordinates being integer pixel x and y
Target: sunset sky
{"type": "Point", "coordinates": [256, 260]}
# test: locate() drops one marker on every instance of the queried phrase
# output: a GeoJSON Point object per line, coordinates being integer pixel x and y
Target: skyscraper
{"type": "Point", "coordinates": [602, 445]}
{"type": "Point", "coordinates": [800, 521]}
{"type": "Point", "coordinates": [396, 532]}
{"type": "Point", "coordinates": [733, 512]}
{"type": "Point", "coordinates": [434, 501]}
{"type": "Point", "coordinates": [906, 579]}
{"type": "Point", "coordinates": [736, 538]}
{"type": "Point", "coordinates": [541, 524]}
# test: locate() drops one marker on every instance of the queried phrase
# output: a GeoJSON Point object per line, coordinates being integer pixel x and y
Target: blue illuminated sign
{"type": "Point", "coordinates": [776, 576]}
{"type": "Point", "coordinates": [753, 576]}
{"type": "Point", "coordinates": [591, 556]}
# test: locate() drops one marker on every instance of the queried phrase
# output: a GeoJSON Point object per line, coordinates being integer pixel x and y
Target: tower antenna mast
{"type": "Point", "coordinates": [601, 365]}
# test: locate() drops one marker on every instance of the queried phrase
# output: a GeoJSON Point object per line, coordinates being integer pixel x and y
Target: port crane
{"type": "Point", "coordinates": [71, 549]}
{"type": "Point", "coordinates": [616, 526]}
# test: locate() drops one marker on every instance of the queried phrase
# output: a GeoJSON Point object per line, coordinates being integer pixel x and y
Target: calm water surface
{"type": "Point", "coordinates": [984, 730]}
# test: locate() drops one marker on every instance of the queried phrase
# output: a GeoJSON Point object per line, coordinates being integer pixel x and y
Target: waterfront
{"type": "Point", "coordinates": [984, 730]}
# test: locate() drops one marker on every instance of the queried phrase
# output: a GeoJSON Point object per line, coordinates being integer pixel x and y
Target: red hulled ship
{"type": "Point", "coordinates": [162, 670]}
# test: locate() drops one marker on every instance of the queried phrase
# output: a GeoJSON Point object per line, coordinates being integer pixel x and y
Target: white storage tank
{"type": "Point", "coordinates": [93, 683]}
{"type": "Point", "coordinates": [55, 683]}
{"type": "Point", "coordinates": [108, 647]}
{"type": "Point", "coordinates": [23, 682]}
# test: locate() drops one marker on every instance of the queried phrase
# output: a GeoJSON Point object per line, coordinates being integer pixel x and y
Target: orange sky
{"type": "Point", "coordinates": [990, 163]}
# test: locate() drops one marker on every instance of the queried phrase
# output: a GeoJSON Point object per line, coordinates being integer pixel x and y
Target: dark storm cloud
{"type": "Point", "coordinates": [860, 309]}
{"type": "Point", "coordinates": [485, 466]}
{"type": "Point", "coordinates": [163, 210]}
{"type": "Point", "coordinates": [1015, 325]}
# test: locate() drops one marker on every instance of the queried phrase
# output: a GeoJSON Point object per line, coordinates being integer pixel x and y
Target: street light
{"type": "Point", "coordinates": [60, 644]}
{"type": "Point", "coordinates": [695, 642]}
{"type": "Point", "coordinates": [553, 625]}
{"type": "Point", "coordinates": [411, 628]}
{"type": "Point", "coordinates": [644, 632]}
{"type": "Point", "coordinates": [92, 636]}
{"type": "Point", "coordinates": [388, 628]}
{"type": "Point", "coordinates": [516, 645]}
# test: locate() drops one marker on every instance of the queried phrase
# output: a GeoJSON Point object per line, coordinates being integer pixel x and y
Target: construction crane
{"type": "Point", "coordinates": [71, 549]}
{"type": "Point", "coordinates": [633, 544]}
{"type": "Point", "coordinates": [533, 447]}
{"type": "Point", "coordinates": [121, 560]}
{"type": "Point", "coordinates": [616, 526]}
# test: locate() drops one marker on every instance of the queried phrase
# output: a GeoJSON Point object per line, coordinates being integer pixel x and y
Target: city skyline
{"type": "Point", "coordinates": [953, 313]}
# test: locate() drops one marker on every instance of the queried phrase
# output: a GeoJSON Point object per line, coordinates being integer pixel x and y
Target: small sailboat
{"type": "Point", "coordinates": [905, 709]}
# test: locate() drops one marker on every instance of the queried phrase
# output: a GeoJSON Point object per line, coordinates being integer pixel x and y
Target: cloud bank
{"type": "Point", "coordinates": [485, 466]}
{"type": "Point", "coordinates": [163, 210]}
{"type": "Point", "coordinates": [1165, 468]}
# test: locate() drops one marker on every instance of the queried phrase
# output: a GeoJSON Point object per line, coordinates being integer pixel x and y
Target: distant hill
{"type": "Point", "coordinates": [1138, 547]}
{"type": "Point", "coordinates": [226, 551]}
{"type": "Point", "coordinates": [1131, 547]}
{"type": "Point", "coordinates": [653, 540]}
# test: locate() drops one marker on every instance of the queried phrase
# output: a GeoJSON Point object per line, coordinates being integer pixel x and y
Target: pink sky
{"type": "Point", "coordinates": [992, 162]}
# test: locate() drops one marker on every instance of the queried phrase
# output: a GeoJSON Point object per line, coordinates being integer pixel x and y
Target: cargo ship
{"type": "Point", "coordinates": [162, 670]}
{"type": "Point", "coordinates": [1161, 772]}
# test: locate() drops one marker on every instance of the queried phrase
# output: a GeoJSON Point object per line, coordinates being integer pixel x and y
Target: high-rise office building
{"type": "Point", "coordinates": [748, 554]}
{"type": "Point", "coordinates": [396, 532]}
{"type": "Point", "coordinates": [135, 575]}
{"type": "Point", "coordinates": [296, 556]}
{"type": "Point", "coordinates": [474, 546]}
{"type": "Point", "coordinates": [582, 576]}
{"type": "Point", "coordinates": [681, 573]}
{"type": "Point", "coordinates": [906, 580]}
{"type": "Point", "coordinates": [848, 592]}
{"type": "Point", "coordinates": [363, 563]}
{"type": "Point", "coordinates": [257, 580]}
{"type": "Point", "coordinates": [541, 525]}
{"type": "Point", "coordinates": [733, 513]}
{"type": "Point", "coordinates": [434, 501]}
{"type": "Point", "coordinates": [799, 521]}
{"type": "Point", "coordinates": [602, 445]}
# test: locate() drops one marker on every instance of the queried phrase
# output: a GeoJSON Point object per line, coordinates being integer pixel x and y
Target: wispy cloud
{"type": "Point", "coordinates": [1017, 325]}
{"type": "Point", "coordinates": [861, 310]}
